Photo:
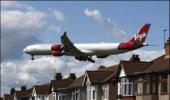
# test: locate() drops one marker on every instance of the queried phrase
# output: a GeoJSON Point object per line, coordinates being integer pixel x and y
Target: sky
{"type": "Point", "coordinates": [31, 22]}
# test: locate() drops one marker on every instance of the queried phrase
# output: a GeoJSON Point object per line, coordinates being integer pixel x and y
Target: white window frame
{"type": "Point", "coordinates": [105, 92]}
{"type": "Point", "coordinates": [125, 90]}
{"type": "Point", "coordinates": [93, 93]}
{"type": "Point", "coordinates": [61, 95]}
{"type": "Point", "coordinates": [76, 95]}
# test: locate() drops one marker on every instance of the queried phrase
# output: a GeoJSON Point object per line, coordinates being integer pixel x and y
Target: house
{"type": "Point", "coordinates": [1, 98]}
{"type": "Point", "coordinates": [138, 80]}
{"type": "Point", "coordinates": [41, 92]}
{"type": "Point", "coordinates": [58, 84]}
{"type": "Point", "coordinates": [77, 91]}
{"type": "Point", "coordinates": [99, 85]}
{"type": "Point", "coordinates": [125, 80]}
{"type": "Point", "coordinates": [9, 96]}
{"type": "Point", "coordinates": [23, 94]}
{"type": "Point", "coordinates": [155, 79]}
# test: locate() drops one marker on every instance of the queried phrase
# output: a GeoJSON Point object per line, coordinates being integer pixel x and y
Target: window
{"type": "Point", "coordinates": [146, 87]}
{"type": "Point", "coordinates": [164, 84]}
{"type": "Point", "coordinates": [126, 87]}
{"type": "Point", "coordinates": [75, 94]}
{"type": "Point", "coordinates": [62, 96]}
{"type": "Point", "coordinates": [154, 86]}
{"type": "Point", "coordinates": [105, 92]}
{"type": "Point", "coordinates": [139, 88]}
{"type": "Point", "coordinates": [94, 94]}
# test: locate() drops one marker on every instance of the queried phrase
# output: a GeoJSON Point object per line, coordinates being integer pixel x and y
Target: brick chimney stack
{"type": "Point", "coordinates": [167, 48]}
{"type": "Point", "coordinates": [101, 67]}
{"type": "Point", "coordinates": [135, 58]}
{"type": "Point", "coordinates": [23, 88]}
{"type": "Point", "coordinates": [72, 76]}
{"type": "Point", "coordinates": [12, 91]}
{"type": "Point", "coordinates": [58, 76]}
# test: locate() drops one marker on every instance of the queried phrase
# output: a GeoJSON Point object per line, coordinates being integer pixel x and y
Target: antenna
{"type": "Point", "coordinates": [54, 72]}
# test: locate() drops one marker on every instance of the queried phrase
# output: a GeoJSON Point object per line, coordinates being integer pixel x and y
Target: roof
{"type": "Point", "coordinates": [8, 97]}
{"type": "Point", "coordinates": [131, 67]}
{"type": "Point", "coordinates": [112, 76]}
{"type": "Point", "coordinates": [159, 64]}
{"type": "Point", "coordinates": [60, 84]}
{"type": "Point", "coordinates": [23, 94]}
{"type": "Point", "coordinates": [98, 76]}
{"type": "Point", "coordinates": [76, 83]}
{"type": "Point", "coordinates": [110, 68]}
{"type": "Point", "coordinates": [42, 89]}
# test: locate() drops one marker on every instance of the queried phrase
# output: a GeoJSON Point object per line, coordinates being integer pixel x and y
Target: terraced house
{"type": "Point", "coordinates": [138, 80]}
{"type": "Point", "coordinates": [129, 80]}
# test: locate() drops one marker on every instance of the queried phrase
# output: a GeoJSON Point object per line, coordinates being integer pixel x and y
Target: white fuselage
{"type": "Point", "coordinates": [87, 48]}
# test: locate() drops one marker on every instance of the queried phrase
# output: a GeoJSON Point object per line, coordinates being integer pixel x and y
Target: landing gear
{"type": "Point", "coordinates": [32, 57]}
{"type": "Point", "coordinates": [85, 58]}
{"type": "Point", "coordinates": [90, 59]}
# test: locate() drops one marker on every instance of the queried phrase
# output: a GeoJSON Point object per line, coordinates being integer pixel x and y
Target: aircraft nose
{"type": "Point", "coordinates": [26, 50]}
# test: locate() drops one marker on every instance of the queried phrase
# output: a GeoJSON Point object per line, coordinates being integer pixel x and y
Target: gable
{"type": "Point", "coordinates": [86, 80]}
{"type": "Point", "coordinates": [122, 72]}
{"type": "Point", "coordinates": [34, 92]}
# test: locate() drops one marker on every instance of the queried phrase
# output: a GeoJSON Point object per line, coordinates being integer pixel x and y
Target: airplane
{"type": "Point", "coordinates": [85, 51]}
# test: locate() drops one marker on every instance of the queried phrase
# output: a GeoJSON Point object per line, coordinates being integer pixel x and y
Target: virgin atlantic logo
{"type": "Point", "coordinates": [141, 36]}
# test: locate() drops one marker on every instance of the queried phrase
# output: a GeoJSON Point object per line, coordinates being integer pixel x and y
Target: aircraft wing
{"type": "Point", "coordinates": [70, 49]}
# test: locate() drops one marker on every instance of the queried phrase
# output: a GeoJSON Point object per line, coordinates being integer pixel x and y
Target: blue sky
{"type": "Point", "coordinates": [128, 16]}
{"type": "Point", "coordinates": [28, 22]}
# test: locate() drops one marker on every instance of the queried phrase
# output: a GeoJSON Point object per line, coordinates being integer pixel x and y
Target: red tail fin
{"type": "Point", "coordinates": [141, 34]}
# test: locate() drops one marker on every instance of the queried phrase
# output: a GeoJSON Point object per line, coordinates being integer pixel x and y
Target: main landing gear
{"type": "Point", "coordinates": [32, 57]}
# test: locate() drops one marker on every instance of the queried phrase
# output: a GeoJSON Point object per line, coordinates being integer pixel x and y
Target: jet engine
{"type": "Point", "coordinates": [56, 50]}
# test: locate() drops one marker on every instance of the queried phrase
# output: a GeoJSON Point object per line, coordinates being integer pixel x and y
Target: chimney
{"type": "Point", "coordinates": [12, 91]}
{"type": "Point", "coordinates": [167, 48]}
{"type": "Point", "coordinates": [72, 76]}
{"type": "Point", "coordinates": [101, 67]}
{"type": "Point", "coordinates": [23, 88]}
{"type": "Point", "coordinates": [135, 58]}
{"type": "Point", "coordinates": [58, 76]}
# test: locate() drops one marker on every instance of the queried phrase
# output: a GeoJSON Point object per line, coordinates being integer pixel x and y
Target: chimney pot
{"type": "Point", "coordinates": [72, 76]}
{"type": "Point", "coordinates": [12, 91]}
{"type": "Point", "coordinates": [58, 76]}
{"type": "Point", "coordinates": [135, 58]}
{"type": "Point", "coordinates": [101, 67]}
{"type": "Point", "coordinates": [23, 88]}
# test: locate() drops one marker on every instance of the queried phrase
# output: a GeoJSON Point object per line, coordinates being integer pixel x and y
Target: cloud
{"type": "Point", "coordinates": [114, 29]}
{"type": "Point", "coordinates": [14, 5]}
{"type": "Point", "coordinates": [18, 29]}
{"type": "Point", "coordinates": [22, 25]}
{"type": "Point", "coordinates": [29, 72]}
{"type": "Point", "coordinates": [95, 14]}
{"type": "Point", "coordinates": [58, 15]}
